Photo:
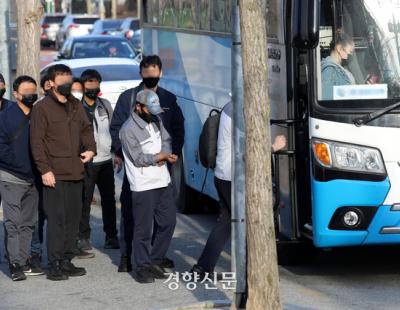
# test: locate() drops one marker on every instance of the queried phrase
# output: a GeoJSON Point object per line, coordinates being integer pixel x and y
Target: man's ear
{"type": "Point", "coordinates": [15, 94]}
{"type": "Point", "coordinates": [52, 83]}
{"type": "Point", "coordinates": [161, 73]}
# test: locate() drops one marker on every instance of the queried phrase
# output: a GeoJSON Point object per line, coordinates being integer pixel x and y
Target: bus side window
{"type": "Point", "coordinates": [219, 19]}
{"type": "Point", "coordinates": [151, 11]}
{"type": "Point", "coordinates": [187, 14]}
{"type": "Point", "coordinates": [204, 15]}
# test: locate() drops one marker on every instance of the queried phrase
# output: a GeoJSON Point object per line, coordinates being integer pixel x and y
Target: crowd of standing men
{"type": "Point", "coordinates": [55, 150]}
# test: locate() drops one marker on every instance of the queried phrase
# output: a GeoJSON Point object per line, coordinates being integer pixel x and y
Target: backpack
{"type": "Point", "coordinates": [208, 140]}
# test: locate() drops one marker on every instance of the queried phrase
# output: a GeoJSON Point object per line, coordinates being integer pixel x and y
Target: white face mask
{"type": "Point", "coordinates": [78, 95]}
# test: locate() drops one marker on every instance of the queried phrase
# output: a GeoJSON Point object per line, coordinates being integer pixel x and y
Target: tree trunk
{"type": "Point", "coordinates": [114, 6]}
{"type": "Point", "coordinates": [263, 277]}
{"type": "Point", "coordinates": [89, 7]}
{"type": "Point", "coordinates": [29, 13]}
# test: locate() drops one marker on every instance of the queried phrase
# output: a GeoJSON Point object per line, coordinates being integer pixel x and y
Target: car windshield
{"type": "Point", "coordinates": [97, 48]}
{"type": "Point", "coordinates": [359, 50]}
{"type": "Point", "coordinates": [53, 19]}
{"type": "Point", "coordinates": [135, 24]}
{"type": "Point", "coordinates": [112, 72]}
{"type": "Point", "coordinates": [85, 20]}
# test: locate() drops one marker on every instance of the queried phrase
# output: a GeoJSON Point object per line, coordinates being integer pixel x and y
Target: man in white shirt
{"type": "Point", "coordinates": [146, 147]}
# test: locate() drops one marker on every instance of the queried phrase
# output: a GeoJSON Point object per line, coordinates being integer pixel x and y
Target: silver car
{"type": "Point", "coordinates": [50, 26]}
{"type": "Point", "coordinates": [75, 26]}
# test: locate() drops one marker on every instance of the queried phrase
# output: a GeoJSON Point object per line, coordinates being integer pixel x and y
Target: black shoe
{"type": "Point", "coordinates": [144, 274]}
{"type": "Point", "coordinates": [55, 273]}
{"type": "Point", "coordinates": [81, 254]}
{"type": "Point", "coordinates": [202, 273]}
{"type": "Point", "coordinates": [159, 272]}
{"type": "Point", "coordinates": [111, 243]}
{"type": "Point", "coordinates": [17, 274]}
{"type": "Point", "coordinates": [84, 244]}
{"type": "Point", "coordinates": [167, 263]}
{"type": "Point", "coordinates": [71, 270]}
{"type": "Point", "coordinates": [125, 264]}
{"type": "Point", "coordinates": [33, 266]}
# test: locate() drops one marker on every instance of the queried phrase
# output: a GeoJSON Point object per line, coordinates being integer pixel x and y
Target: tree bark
{"type": "Point", "coordinates": [29, 13]}
{"type": "Point", "coordinates": [89, 7]}
{"type": "Point", "coordinates": [114, 7]}
{"type": "Point", "coordinates": [263, 277]}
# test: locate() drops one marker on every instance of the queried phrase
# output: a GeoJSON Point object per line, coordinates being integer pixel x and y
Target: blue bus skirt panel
{"type": "Point", "coordinates": [383, 218]}
{"type": "Point", "coordinates": [331, 195]}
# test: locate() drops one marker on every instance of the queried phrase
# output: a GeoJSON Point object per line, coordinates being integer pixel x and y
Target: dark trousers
{"type": "Point", "coordinates": [158, 205]}
{"type": "Point", "coordinates": [102, 175]}
{"type": "Point", "coordinates": [126, 225]}
{"type": "Point", "coordinates": [222, 231]}
{"type": "Point", "coordinates": [37, 236]}
{"type": "Point", "coordinates": [63, 207]}
{"type": "Point", "coordinates": [20, 215]}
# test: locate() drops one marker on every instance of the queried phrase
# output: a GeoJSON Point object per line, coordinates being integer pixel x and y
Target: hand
{"type": "Point", "coordinates": [118, 163]}
{"type": "Point", "coordinates": [279, 143]}
{"type": "Point", "coordinates": [87, 156]}
{"type": "Point", "coordinates": [161, 163]}
{"type": "Point", "coordinates": [162, 157]}
{"type": "Point", "coordinates": [49, 180]}
{"type": "Point", "coordinates": [172, 158]}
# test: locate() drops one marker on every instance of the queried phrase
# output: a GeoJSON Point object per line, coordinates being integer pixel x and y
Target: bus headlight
{"type": "Point", "coordinates": [350, 157]}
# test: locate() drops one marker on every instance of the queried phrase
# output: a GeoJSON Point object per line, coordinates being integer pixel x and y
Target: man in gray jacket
{"type": "Point", "coordinates": [146, 147]}
{"type": "Point", "coordinates": [100, 171]}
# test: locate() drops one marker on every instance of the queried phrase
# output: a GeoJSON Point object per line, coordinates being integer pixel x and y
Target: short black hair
{"type": "Point", "coordinates": [59, 69]}
{"type": "Point", "coordinates": [90, 74]}
{"type": "Point", "coordinates": [77, 80]}
{"type": "Point", "coordinates": [43, 80]}
{"type": "Point", "coordinates": [151, 60]}
{"type": "Point", "coordinates": [22, 79]}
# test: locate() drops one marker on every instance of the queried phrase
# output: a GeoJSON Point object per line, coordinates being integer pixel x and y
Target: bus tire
{"type": "Point", "coordinates": [291, 253]}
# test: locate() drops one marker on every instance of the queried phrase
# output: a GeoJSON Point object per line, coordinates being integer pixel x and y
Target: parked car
{"type": "Point", "coordinates": [50, 25]}
{"type": "Point", "coordinates": [94, 46]}
{"type": "Point", "coordinates": [74, 26]}
{"type": "Point", "coordinates": [107, 26]}
{"type": "Point", "coordinates": [118, 74]}
{"type": "Point", "coordinates": [130, 29]}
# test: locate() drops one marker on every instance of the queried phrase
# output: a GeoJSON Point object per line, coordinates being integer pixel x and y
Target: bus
{"type": "Point", "coordinates": [338, 181]}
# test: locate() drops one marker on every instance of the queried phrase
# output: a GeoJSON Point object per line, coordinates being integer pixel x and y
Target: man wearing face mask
{"type": "Point", "coordinates": [146, 146]}
{"type": "Point", "coordinates": [3, 101]}
{"type": "Point", "coordinates": [17, 185]}
{"type": "Point", "coordinates": [100, 171]}
{"type": "Point", "coordinates": [173, 121]}
{"type": "Point", "coordinates": [62, 142]}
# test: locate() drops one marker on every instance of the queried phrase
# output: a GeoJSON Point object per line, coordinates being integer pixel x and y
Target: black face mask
{"type": "Point", "coordinates": [29, 100]}
{"type": "Point", "coordinates": [2, 92]}
{"type": "Point", "coordinates": [151, 82]}
{"type": "Point", "coordinates": [147, 117]}
{"type": "Point", "coordinates": [92, 93]}
{"type": "Point", "coordinates": [65, 89]}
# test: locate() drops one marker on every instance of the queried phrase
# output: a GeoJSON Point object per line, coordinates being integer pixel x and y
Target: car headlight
{"type": "Point", "coordinates": [350, 157]}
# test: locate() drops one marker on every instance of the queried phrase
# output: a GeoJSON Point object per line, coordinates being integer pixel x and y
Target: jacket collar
{"type": "Point", "coordinates": [138, 120]}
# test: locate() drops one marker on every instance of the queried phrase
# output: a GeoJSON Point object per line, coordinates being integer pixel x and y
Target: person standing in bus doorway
{"type": "Point", "coordinates": [146, 146]}
{"type": "Point", "coordinates": [173, 121]}
{"type": "Point", "coordinates": [332, 71]}
{"type": "Point", "coordinates": [100, 171]}
{"type": "Point", "coordinates": [223, 178]}
{"type": "Point", "coordinates": [17, 181]}
{"type": "Point", "coordinates": [59, 131]}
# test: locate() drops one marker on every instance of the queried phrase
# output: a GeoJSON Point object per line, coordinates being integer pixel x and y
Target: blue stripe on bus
{"type": "Point", "coordinates": [329, 196]}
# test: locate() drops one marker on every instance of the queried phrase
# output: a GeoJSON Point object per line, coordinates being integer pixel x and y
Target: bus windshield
{"type": "Point", "coordinates": [359, 50]}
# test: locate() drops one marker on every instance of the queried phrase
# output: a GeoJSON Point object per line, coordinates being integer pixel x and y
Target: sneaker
{"type": "Point", "coordinates": [55, 273]}
{"type": "Point", "coordinates": [81, 254]}
{"type": "Point", "coordinates": [144, 275]}
{"type": "Point", "coordinates": [71, 270]}
{"type": "Point", "coordinates": [84, 244]}
{"type": "Point", "coordinates": [111, 243]}
{"type": "Point", "coordinates": [125, 264]}
{"type": "Point", "coordinates": [159, 272]}
{"type": "Point", "coordinates": [33, 268]}
{"type": "Point", "coordinates": [17, 274]}
{"type": "Point", "coordinates": [167, 263]}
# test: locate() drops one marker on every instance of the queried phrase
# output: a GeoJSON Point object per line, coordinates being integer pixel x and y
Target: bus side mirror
{"type": "Point", "coordinates": [305, 23]}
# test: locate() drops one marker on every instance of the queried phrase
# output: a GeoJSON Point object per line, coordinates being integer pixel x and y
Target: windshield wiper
{"type": "Point", "coordinates": [359, 121]}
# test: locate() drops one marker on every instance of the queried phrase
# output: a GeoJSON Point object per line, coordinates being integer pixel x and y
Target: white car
{"type": "Point", "coordinates": [75, 26]}
{"type": "Point", "coordinates": [118, 74]}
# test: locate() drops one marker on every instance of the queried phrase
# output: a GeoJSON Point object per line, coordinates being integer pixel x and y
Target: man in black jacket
{"type": "Point", "coordinates": [172, 118]}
